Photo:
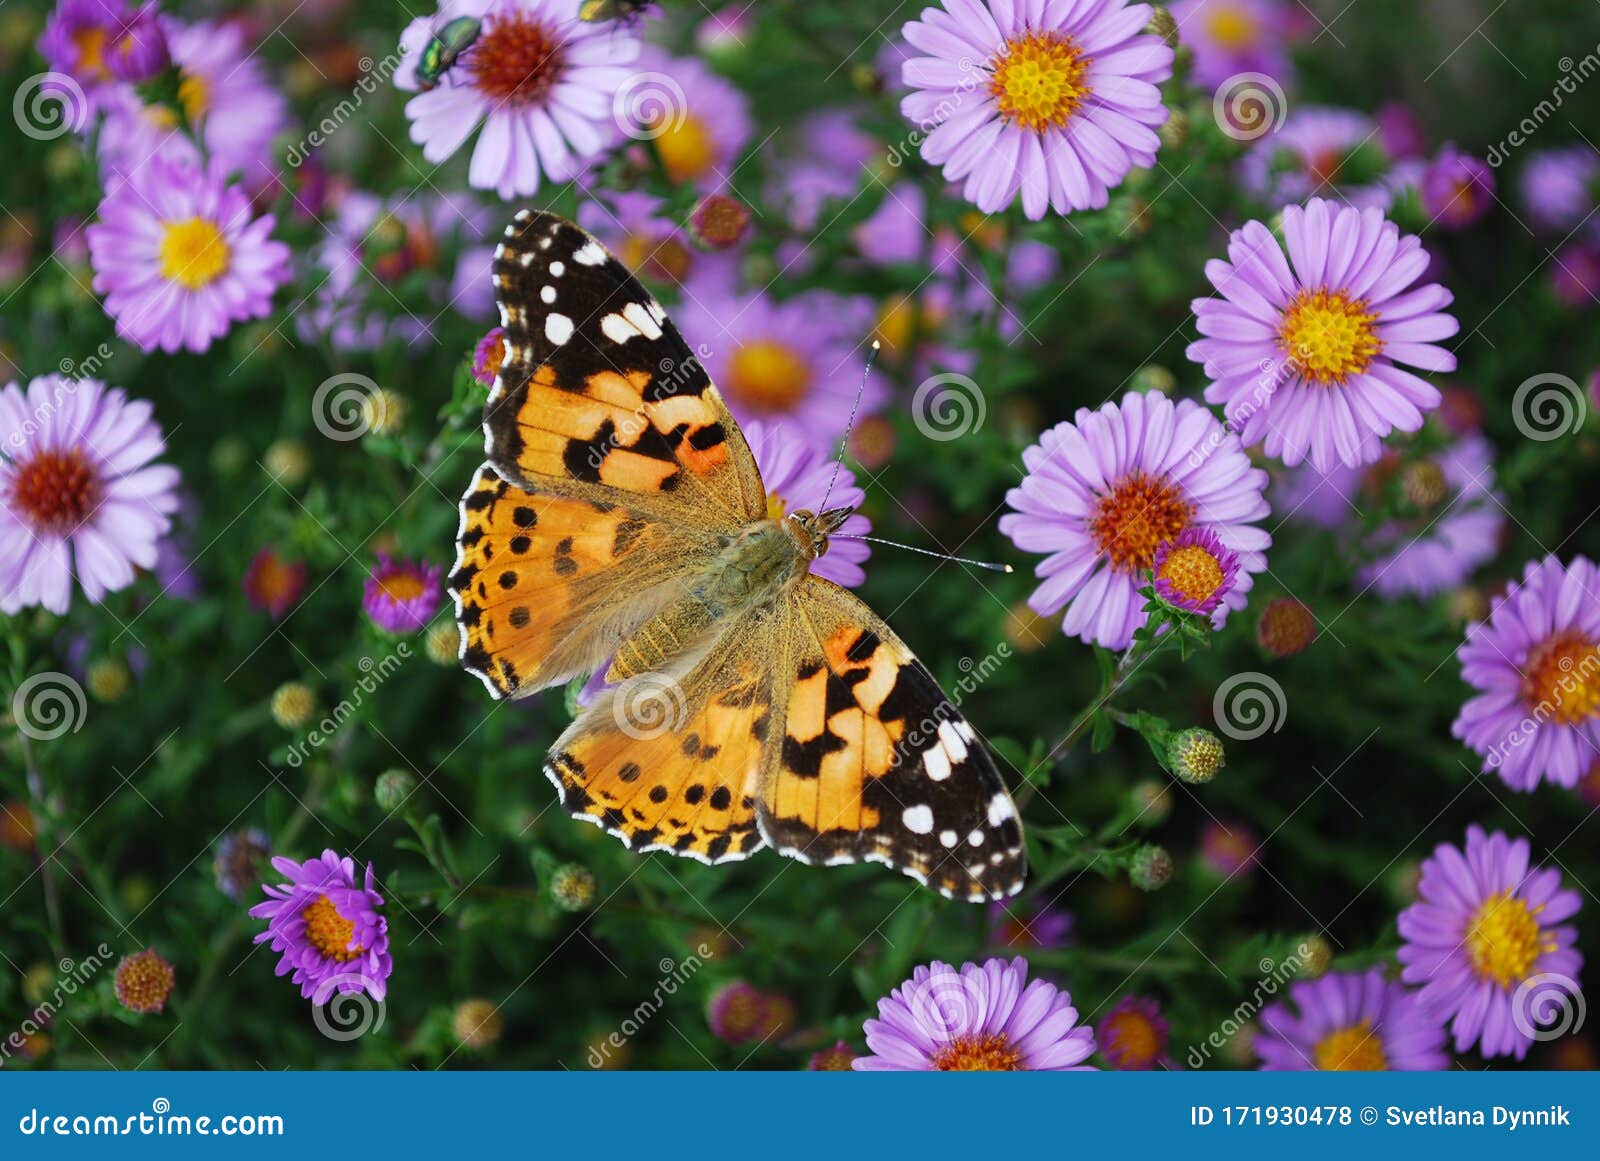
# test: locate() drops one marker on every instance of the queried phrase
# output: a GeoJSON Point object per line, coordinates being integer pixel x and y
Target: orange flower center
{"type": "Point", "coordinates": [1133, 519]}
{"type": "Point", "coordinates": [979, 1054]}
{"type": "Point", "coordinates": [1039, 80]}
{"type": "Point", "coordinates": [1352, 1049]}
{"type": "Point", "coordinates": [402, 586]}
{"type": "Point", "coordinates": [1135, 1041]}
{"type": "Point", "coordinates": [193, 252]}
{"type": "Point", "coordinates": [685, 146]}
{"type": "Point", "coordinates": [1192, 571]}
{"type": "Point", "coordinates": [91, 45]}
{"type": "Point", "coordinates": [516, 59]}
{"type": "Point", "coordinates": [1329, 336]}
{"type": "Point", "coordinates": [1232, 28]}
{"type": "Point", "coordinates": [57, 490]}
{"type": "Point", "coordinates": [329, 932]}
{"type": "Point", "coordinates": [665, 258]}
{"type": "Point", "coordinates": [1563, 678]}
{"type": "Point", "coordinates": [1504, 940]}
{"type": "Point", "coordinates": [768, 376]}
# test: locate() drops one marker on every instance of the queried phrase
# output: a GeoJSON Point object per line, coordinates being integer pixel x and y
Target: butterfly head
{"type": "Point", "coordinates": [811, 529]}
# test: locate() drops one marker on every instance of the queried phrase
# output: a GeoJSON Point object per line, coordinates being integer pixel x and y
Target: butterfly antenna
{"type": "Point", "coordinates": [844, 440]}
{"type": "Point", "coordinates": [988, 564]}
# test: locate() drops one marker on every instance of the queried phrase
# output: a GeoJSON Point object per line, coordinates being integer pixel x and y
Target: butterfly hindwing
{"type": "Point", "coordinates": [598, 389]}
{"type": "Point", "coordinates": [877, 764]}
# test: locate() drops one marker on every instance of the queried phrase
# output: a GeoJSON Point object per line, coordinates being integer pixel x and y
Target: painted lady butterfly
{"type": "Point", "coordinates": [621, 520]}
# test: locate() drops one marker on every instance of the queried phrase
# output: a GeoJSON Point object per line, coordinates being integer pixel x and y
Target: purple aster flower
{"type": "Point", "coordinates": [75, 40]}
{"type": "Point", "coordinates": [1104, 492]}
{"type": "Point", "coordinates": [832, 154]}
{"type": "Point", "coordinates": [1457, 528]}
{"type": "Point", "coordinates": [1231, 849]}
{"type": "Point", "coordinates": [1487, 943]}
{"type": "Point", "coordinates": [1133, 1035]}
{"type": "Point", "coordinates": [1047, 928]}
{"type": "Point", "coordinates": [799, 359]}
{"type": "Point", "coordinates": [402, 596]}
{"type": "Point", "coordinates": [488, 355]}
{"type": "Point", "coordinates": [237, 864]}
{"type": "Point", "coordinates": [1535, 664]}
{"type": "Point", "coordinates": [1399, 131]}
{"type": "Point", "coordinates": [1229, 37]}
{"type": "Point", "coordinates": [137, 49]}
{"type": "Point", "coordinates": [634, 226]}
{"type": "Point", "coordinates": [798, 476]}
{"type": "Point", "coordinates": [78, 491]}
{"type": "Point", "coordinates": [1457, 188]}
{"type": "Point", "coordinates": [738, 1012]}
{"type": "Point", "coordinates": [696, 122]}
{"type": "Point", "coordinates": [326, 928]}
{"type": "Point", "coordinates": [1304, 360]}
{"type": "Point", "coordinates": [1575, 275]}
{"type": "Point", "coordinates": [983, 1018]}
{"type": "Point", "coordinates": [1351, 1022]}
{"type": "Point", "coordinates": [1194, 570]}
{"type": "Point", "coordinates": [180, 259]}
{"type": "Point", "coordinates": [1318, 150]}
{"type": "Point", "coordinates": [540, 83]}
{"type": "Point", "coordinates": [1560, 186]}
{"type": "Point", "coordinates": [1054, 103]}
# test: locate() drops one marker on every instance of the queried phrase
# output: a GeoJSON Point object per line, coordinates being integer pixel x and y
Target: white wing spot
{"type": "Point", "coordinates": [948, 838]}
{"type": "Point", "coordinates": [918, 819]}
{"type": "Point", "coordinates": [547, 295]}
{"type": "Point", "coordinates": [557, 269]}
{"type": "Point", "coordinates": [1000, 808]}
{"type": "Point", "coordinates": [976, 838]}
{"type": "Point", "coordinates": [954, 745]}
{"type": "Point", "coordinates": [937, 763]}
{"type": "Point", "coordinates": [617, 329]}
{"type": "Point", "coordinates": [558, 329]}
{"type": "Point", "coordinates": [640, 318]}
{"type": "Point", "coordinates": [589, 254]}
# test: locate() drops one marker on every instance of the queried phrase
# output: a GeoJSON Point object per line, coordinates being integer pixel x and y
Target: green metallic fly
{"type": "Point", "coordinates": [440, 53]}
{"type": "Point", "coordinates": [625, 12]}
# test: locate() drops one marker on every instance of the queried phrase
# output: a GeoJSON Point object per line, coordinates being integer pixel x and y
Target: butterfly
{"type": "Point", "coordinates": [621, 523]}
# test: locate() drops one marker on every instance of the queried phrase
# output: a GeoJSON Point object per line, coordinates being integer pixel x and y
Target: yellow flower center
{"type": "Point", "coordinates": [665, 258]}
{"type": "Point", "coordinates": [979, 1054]}
{"type": "Point", "coordinates": [1192, 571]}
{"type": "Point", "coordinates": [1133, 1040]}
{"type": "Point", "coordinates": [91, 45]}
{"type": "Point", "coordinates": [194, 94]}
{"type": "Point", "coordinates": [685, 147]}
{"type": "Point", "coordinates": [1232, 28]}
{"type": "Point", "coordinates": [328, 931]}
{"type": "Point", "coordinates": [1040, 79]}
{"type": "Point", "coordinates": [985, 232]}
{"type": "Point", "coordinates": [1504, 939]}
{"type": "Point", "coordinates": [1352, 1049]}
{"type": "Point", "coordinates": [402, 586]}
{"type": "Point", "coordinates": [768, 376]}
{"type": "Point", "coordinates": [1133, 519]}
{"type": "Point", "coordinates": [194, 253]}
{"type": "Point", "coordinates": [1329, 336]}
{"type": "Point", "coordinates": [1563, 678]}
{"type": "Point", "coordinates": [901, 319]}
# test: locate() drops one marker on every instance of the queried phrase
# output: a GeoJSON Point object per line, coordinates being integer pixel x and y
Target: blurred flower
{"type": "Point", "coordinates": [287, 462]}
{"type": "Point", "coordinates": [699, 124]}
{"type": "Point", "coordinates": [827, 164]}
{"type": "Point", "coordinates": [1104, 492]}
{"type": "Point", "coordinates": [1535, 664]}
{"type": "Point", "coordinates": [16, 826]}
{"type": "Point", "coordinates": [1046, 927]}
{"type": "Point", "coordinates": [983, 1018]}
{"type": "Point", "coordinates": [237, 863]}
{"type": "Point", "coordinates": [635, 227]}
{"type": "Point", "coordinates": [1057, 107]}
{"type": "Point", "coordinates": [1230, 848]}
{"type": "Point", "coordinates": [137, 48]}
{"type": "Point", "coordinates": [798, 476]}
{"type": "Point", "coordinates": [78, 492]}
{"type": "Point", "coordinates": [402, 596]}
{"type": "Point", "coordinates": [180, 276]}
{"type": "Point", "coordinates": [540, 82]}
{"type": "Point", "coordinates": [737, 1012]}
{"type": "Point", "coordinates": [1318, 151]}
{"type": "Point", "coordinates": [840, 1058]}
{"type": "Point", "coordinates": [897, 232]}
{"type": "Point", "coordinates": [573, 887]}
{"type": "Point", "coordinates": [1194, 570]}
{"type": "Point", "coordinates": [384, 412]}
{"type": "Point", "coordinates": [1560, 186]}
{"type": "Point", "coordinates": [76, 37]}
{"type": "Point", "coordinates": [1152, 800]}
{"type": "Point", "coordinates": [1488, 923]}
{"type": "Point", "coordinates": [144, 981]}
{"type": "Point", "coordinates": [1351, 1022]}
{"type": "Point", "coordinates": [273, 584]}
{"type": "Point", "coordinates": [293, 705]}
{"type": "Point", "coordinates": [1196, 755]}
{"type": "Point", "coordinates": [1304, 360]}
{"type": "Point", "coordinates": [326, 928]}
{"type": "Point", "coordinates": [1457, 189]}
{"type": "Point", "coordinates": [488, 355]}
{"type": "Point", "coordinates": [443, 643]}
{"type": "Point", "coordinates": [108, 679]}
{"type": "Point", "coordinates": [1286, 627]}
{"type": "Point", "coordinates": [1230, 37]}
{"type": "Point", "coordinates": [476, 1024]}
{"type": "Point", "coordinates": [1132, 1036]}
{"type": "Point", "coordinates": [1399, 131]}
{"type": "Point", "coordinates": [1588, 787]}
{"type": "Point", "coordinates": [720, 221]}
{"type": "Point", "coordinates": [1575, 274]}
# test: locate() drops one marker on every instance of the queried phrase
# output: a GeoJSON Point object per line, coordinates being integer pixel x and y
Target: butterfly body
{"type": "Point", "coordinates": [621, 525]}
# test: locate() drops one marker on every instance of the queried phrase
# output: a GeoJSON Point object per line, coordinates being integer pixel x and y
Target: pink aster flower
{"type": "Point", "coordinates": [1056, 103]}
{"type": "Point", "coordinates": [402, 596]}
{"type": "Point", "coordinates": [540, 83]}
{"type": "Point", "coordinates": [1319, 151]}
{"type": "Point", "coordinates": [1560, 186]}
{"type": "Point", "coordinates": [75, 40]}
{"type": "Point", "coordinates": [137, 49]}
{"type": "Point", "coordinates": [1230, 37]}
{"type": "Point", "coordinates": [1305, 360]}
{"type": "Point", "coordinates": [1535, 664]}
{"type": "Point", "coordinates": [78, 491]}
{"type": "Point", "coordinates": [1133, 1035]}
{"type": "Point", "coordinates": [798, 476]}
{"type": "Point", "coordinates": [1230, 849]}
{"type": "Point", "coordinates": [696, 122]}
{"type": "Point", "coordinates": [1194, 570]}
{"type": "Point", "coordinates": [488, 355]}
{"type": "Point", "coordinates": [1457, 189]}
{"type": "Point", "coordinates": [1351, 1022]}
{"type": "Point", "coordinates": [1575, 273]}
{"type": "Point", "coordinates": [327, 928]}
{"type": "Point", "coordinates": [1104, 492]}
{"type": "Point", "coordinates": [1487, 942]}
{"type": "Point", "coordinates": [180, 259]}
